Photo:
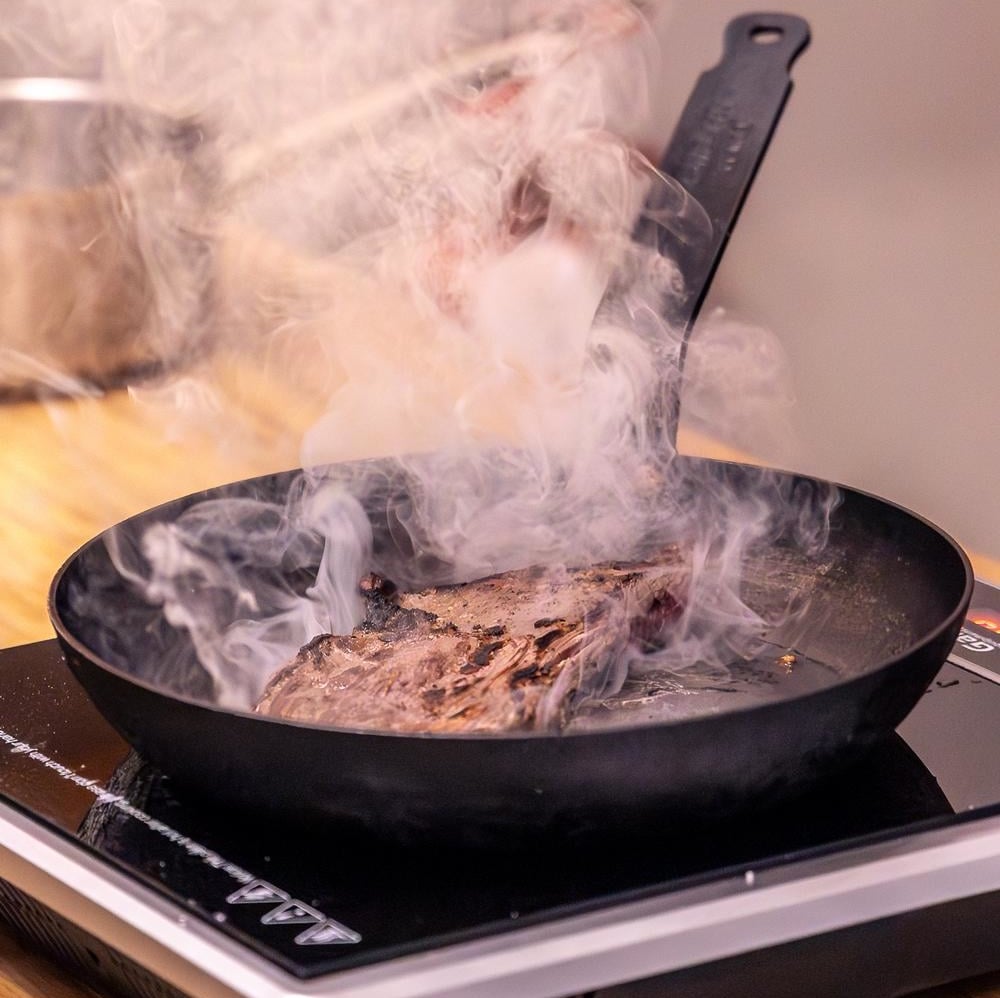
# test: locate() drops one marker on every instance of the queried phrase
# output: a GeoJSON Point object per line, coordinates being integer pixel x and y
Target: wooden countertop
{"type": "Point", "coordinates": [70, 468]}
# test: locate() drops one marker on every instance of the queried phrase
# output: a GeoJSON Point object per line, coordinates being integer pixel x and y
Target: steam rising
{"type": "Point", "coordinates": [420, 218]}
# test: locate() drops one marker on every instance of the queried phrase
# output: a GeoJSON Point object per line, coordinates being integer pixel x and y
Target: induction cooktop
{"type": "Point", "coordinates": [886, 876]}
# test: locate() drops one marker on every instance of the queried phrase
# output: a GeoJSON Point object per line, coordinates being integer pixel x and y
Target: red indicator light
{"type": "Point", "coordinates": [987, 619]}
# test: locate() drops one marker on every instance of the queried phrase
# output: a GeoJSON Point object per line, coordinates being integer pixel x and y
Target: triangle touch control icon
{"type": "Point", "coordinates": [327, 933]}
{"type": "Point", "coordinates": [258, 892]}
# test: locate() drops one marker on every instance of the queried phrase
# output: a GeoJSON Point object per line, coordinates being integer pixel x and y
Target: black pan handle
{"type": "Point", "coordinates": [722, 136]}
{"type": "Point", "coordinates": [719, 143]}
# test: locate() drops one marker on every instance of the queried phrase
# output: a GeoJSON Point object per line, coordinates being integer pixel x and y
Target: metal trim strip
{"type": "Point", "coordinates": [628, 942]}
{"type": "Point", "coordinates": [979, 670]}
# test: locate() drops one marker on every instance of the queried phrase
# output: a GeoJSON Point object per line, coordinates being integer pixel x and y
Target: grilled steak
{"type": "Point", "coordinates": [513, 651]}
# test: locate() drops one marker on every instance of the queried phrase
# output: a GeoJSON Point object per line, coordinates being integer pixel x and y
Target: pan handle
{"type": "Point", "coordinates": [719, 143]}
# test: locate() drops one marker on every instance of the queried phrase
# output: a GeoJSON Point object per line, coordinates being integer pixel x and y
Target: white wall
{"type": "Point", "coordinates": [871, 245]}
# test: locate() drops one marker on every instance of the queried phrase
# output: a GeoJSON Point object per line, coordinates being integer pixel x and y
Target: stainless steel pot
{"type": "Point", "coordinates": [100, 200]}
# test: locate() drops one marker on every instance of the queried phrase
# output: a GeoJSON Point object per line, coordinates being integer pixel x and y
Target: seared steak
{"type": "Point", "coordinates": [513, 651]}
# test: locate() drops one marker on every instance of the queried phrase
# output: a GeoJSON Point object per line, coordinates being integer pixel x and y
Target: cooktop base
{"type": "Point", "coordinates": [889, 872]}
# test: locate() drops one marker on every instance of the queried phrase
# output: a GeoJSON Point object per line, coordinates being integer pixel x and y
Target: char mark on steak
{"type": "Point", "coordinates": [517, 651]}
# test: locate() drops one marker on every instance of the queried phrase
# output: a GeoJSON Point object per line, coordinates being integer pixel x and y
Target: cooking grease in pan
{"type": "Point", "coordinates": [655, 696]}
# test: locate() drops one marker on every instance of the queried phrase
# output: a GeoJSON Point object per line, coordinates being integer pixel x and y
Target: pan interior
{"type": "Point", "coordinates": [885, 583]}
{"type": "Point", "coordinates": [833, 622]}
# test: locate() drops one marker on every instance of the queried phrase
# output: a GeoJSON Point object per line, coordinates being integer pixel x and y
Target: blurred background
{"type": "Point", "coordinates": [870, 247]}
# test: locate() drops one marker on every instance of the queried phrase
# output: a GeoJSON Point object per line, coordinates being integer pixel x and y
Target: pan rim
{"type": "Point", "coordinates": [68, 638]}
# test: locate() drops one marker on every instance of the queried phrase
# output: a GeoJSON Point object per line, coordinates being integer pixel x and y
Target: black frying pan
{"type": "Point", "coordinates": [887, 597]}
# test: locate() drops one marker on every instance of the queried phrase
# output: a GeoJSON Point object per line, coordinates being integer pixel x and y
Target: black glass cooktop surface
{"type": "Point", "coordinates": [313, 901]}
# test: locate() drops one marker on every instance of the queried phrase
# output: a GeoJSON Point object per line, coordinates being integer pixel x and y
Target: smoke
{"type": "Point", "coordinates": [738, 387]}
{"type": "Point", "coordinates": [418, 218]}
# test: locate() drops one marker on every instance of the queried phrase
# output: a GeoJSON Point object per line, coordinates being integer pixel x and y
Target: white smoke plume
{"type": "Point", "coordinates": [420, 217]}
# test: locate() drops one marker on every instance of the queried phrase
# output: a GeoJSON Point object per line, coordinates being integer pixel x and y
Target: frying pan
{"type": "Point", "coordinates": [884, 603]}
